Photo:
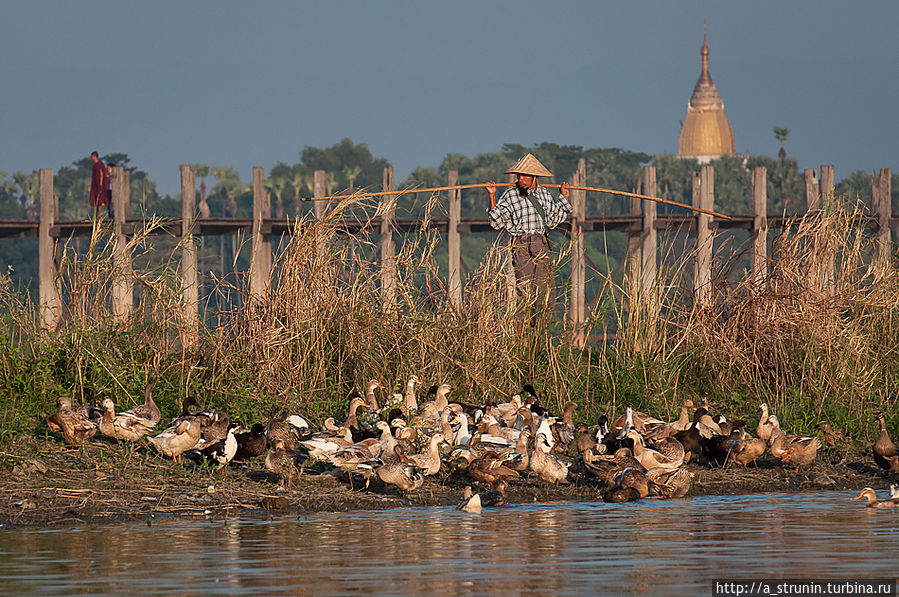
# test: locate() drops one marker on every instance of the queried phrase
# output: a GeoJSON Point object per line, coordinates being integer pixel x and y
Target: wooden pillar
{"type": "Point", "coordinates": [826, 184]}
{"type": "Point", "coordinates": [49, 295]}
{"type": "Point", "coordinates": [577, 302]}
{"type": "Point", "coordinates": [650, 236]}
{"type": "Point", "coordinates": [454, 241]}
{"type": "Point", "coordinates": [812, 190]}
{"type": "Point", "coordinates": [261, 260]}
{"type": "Point", "coordinates": [511, 280]}
{"type": "Point", "coordinates": [758, 259]}
{"type": "Point", "coordinates": [190, 335]}
{"type": "Point", "coordinates": [123, 286]}
{"type": "Point", "coordinates": [387, 209]}
{"type": "Point", "coordinates": [704, 198]}
{"type": "Point", "coordinates": [318, 190]}
{"type": "Point", "coordinates": [882, 206]}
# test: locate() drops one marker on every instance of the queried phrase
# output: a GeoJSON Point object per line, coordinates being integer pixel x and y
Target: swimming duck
{"type": "Point", "coordinates": [175, 442]}
{"type": "Point", "coordinates": [496, 497]}
{"type": "Point", "coordinates": [250, 444]}
{"type": "Point", "coordinates": [125, 425]}
{"type": "Point", "coordinates": [471, 502]}
{"type": "Point", "coordinates": [634, 478]}
{"type": "Point", "coordinates": [884, 448]}
{"type": "Point", "coordinates": [76, 424]}
{"type": "Point", "coordinates": [620, 495]}
{"type": "Point", "coordinates": [670, 484]}
{"type": "Point", "coordinates": [871, 496]}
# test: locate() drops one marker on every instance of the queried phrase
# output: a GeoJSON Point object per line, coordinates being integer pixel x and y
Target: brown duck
{"type": "Point", "coordinates": [76, 424]}
{"type": "Point", "coordinates": [884, 448]}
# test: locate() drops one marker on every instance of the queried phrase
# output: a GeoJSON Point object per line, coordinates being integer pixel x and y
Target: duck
{"type": "Point", "coordinates": [670, 484]}
{"type": "Point", "coordinates": [620, 495]}
{"type": "Point", "coordinates": [490, 468]}
{"type": "Point", "coordinates": [745, 450]}
{"type": "Point", "coordinates": [634, 478]}
{"type": "Point", "coordinates": [689, 439]}
{"type": "Point", "coordinates": [352, 420]}
{"type": "Point", "coordinates": [670, 447]}
{"type": "Point", "coordinates": [763, 431]}
{"type": "Point", "coordinates": [884, 448]}
{"type": "Point", "coordinates": [496, 497]}
{"type": "Point", "coordinates": [707, 427]}
{"type": "Point", "coordinates": [651, 458]}
{"type": "Point", "coordinates": [585, 439]}
{"type": "Point", "coordinates": [563, 431]}
{"type": "Point", "coordinates": [669, 429]}
{"type": "Point", "coordinates": [636, 419]}
{"type": "Point", "coordinates": [281, 459]}
{"type": "Point", "coordinates": [798, 449]}
{"type": "Point", "coordinates": [125, 425]}
{"type": "Point", "coordinates": [223, 451]}
{"type": "Point", "coordinates": [76, 424]}
{"type": "Point", "coordinates": [289, 428]}
{"type": "Point", "coordinates": [250, 444]}
{"type": "Point", "coordinates": [429, 462]}
{"type": "Point", "coordinates": [871, 496]}
{"type": "Point", "coordinates": [607, 467]}
{"type": "Point", "coordinates": [176, 442]}
{"type": "Point", "coordinates": [430, 410]}
{"type": "Point", "coordinates": [405, 476]}
{"type": "Point", "coordinates": [471, 502]}
{"type": "Point", "coordinates": [547, 466]}
{"type": "Point", "coordinates": [410, 402]}
{"type": "Point", "coordinates": [148, 410]}
{"type": "Point", "coordinates": [834, 437]}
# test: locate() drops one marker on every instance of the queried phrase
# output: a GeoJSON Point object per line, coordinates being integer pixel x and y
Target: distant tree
{"type": "Point", "coordinates": [781, 134]}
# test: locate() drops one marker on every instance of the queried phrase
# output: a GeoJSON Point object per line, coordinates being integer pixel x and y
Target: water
{"type": "Point", "coordinates": [648, 547]}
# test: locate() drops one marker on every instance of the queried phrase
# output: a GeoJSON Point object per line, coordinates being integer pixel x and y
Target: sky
{"type": "Point", "coordinates": [243, 84]}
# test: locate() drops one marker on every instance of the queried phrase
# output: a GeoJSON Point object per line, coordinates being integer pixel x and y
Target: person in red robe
{"type": "Point", "coordinates": [99, 178]}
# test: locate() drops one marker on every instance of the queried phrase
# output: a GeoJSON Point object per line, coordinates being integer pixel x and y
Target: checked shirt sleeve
{"type": "Point", "coordinates": [557, 211]}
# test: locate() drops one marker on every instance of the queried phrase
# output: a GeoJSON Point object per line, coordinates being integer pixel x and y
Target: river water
{"type": "Point", "coordinates": [650, 547]}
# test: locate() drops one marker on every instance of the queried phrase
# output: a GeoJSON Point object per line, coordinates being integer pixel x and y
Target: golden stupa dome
{"type": "Point", "coordinates": [706, 132]}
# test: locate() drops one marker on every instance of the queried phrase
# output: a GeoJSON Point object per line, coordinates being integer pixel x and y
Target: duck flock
{"type": "Point", "coordinates": [493, 444]}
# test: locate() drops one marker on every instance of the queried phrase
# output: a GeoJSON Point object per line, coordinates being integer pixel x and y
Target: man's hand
{"type": "Point", "coordinates": [564, 189]}
{"type": "Point", "coordinates": [491, 191]}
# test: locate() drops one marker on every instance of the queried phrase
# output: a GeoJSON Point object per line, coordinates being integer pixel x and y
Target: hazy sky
{"type": "Point", "coordinates": [237, 83]}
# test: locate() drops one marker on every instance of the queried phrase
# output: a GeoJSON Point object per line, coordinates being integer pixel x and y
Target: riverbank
{"type": "Point", "coordinates": [50, 485]}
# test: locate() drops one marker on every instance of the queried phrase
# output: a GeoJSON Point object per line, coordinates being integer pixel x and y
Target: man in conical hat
{"type": "Point", "coordinates": [527, 212]}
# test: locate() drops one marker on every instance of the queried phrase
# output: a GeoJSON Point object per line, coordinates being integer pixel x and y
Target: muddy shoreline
{"type": "Point", "coordinates": [47, 485]}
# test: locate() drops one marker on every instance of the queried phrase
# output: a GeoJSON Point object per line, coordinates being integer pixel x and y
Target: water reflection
{"type": "Point", "coordinates": [650, 547]}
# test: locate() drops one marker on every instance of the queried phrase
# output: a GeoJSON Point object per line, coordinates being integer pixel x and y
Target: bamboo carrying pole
{"type": "Point", "coordinates": [512, 184]}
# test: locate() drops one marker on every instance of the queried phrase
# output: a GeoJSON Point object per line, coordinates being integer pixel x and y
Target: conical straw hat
{"type": "Point", "coordinates": [529, 165]}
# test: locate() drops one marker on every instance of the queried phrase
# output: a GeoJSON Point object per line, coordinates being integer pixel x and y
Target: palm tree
{"type": "Point", "coordinates": [352, 173]}
{"type": "Point", "coordinates": [277, 185]}
{"type": "Point", "coordinates": [782, 134]}
{"type": "Point", "coordinates": [202, 170]}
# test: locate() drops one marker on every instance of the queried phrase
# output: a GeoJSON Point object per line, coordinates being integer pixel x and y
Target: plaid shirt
{"type": "Point", "coordinates": [517, 216]}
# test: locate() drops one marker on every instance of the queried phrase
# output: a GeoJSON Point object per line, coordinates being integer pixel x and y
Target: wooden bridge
{"type": "Point", "coordinates": [641, 225]}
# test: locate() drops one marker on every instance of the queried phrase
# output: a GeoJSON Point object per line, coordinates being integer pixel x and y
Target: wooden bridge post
{"type": "Point", "coordinates": [812, 190]}
{"type": "Point", "coordinates": [758, 259]}
{"type": "Point", "coordinates": [387, 209]}
{"type": "Point", "coordinates": [454, 241]}
{"type": "Point", "coordinates": [882, 205]}
{"type": "Point", "coordinates": [649, 236]}
{"type": "Point", "coordinates": [190, 335]}
{"type": "Point", "coordinates": [261, 260]}
{"type": "Point", "coordinates": [577, 301]}
{"type": "Point", "coordinates": [49, 295]}
{"type": "Point", "coordinates": [123, 286]}
{"type": "Point", "coordinates": [318, 210]}
{"type": "Point", "coordinates": [704, 198]}
{"type": "Point", "coordinates": [826, 184]}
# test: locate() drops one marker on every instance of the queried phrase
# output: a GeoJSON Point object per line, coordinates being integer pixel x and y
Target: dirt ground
{"type": "Point", "coordinates": [46, 484]}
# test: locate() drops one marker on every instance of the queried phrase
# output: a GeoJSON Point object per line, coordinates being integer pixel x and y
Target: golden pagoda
{"type": "Point", "coordinates": [706, 133]}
